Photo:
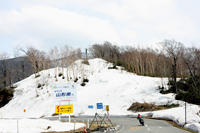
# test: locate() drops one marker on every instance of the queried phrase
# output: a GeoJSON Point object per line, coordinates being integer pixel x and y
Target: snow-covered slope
{"type": "Point", "coordinates": [116, 88]}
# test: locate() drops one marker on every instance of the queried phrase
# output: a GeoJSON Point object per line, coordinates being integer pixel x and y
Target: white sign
{"type": "Point", "coordinates": [65, 93]}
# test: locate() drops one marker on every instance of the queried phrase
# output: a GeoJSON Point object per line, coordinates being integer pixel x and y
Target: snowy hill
{"type": "Point", "coordinates": [116, 88]}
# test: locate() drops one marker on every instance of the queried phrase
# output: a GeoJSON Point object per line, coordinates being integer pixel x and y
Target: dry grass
{"type": "Point", "coordinates": [142, 107]}
{"type": "Point", "coordinates": [138, 107]}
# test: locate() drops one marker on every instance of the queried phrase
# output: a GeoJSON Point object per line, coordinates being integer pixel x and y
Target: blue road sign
{"type": "Point", "coordinates": [90, 106]}
{"type": "Point", "coordinates": [99, 105]}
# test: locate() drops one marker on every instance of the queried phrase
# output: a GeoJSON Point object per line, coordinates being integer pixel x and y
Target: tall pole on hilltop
{"type": "Point", "coordinates": [86, 53]}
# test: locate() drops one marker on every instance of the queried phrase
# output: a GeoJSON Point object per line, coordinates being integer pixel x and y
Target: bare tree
{"type": "Point", "coordinates": [197, 57]}
{"type": "Point", "coordinates": [63, 60]}
{"type": "Point", "coordinates": [173, 51]}
{"type": "Point", "coordinates": [47, 62]}
{"type": "Point", "coordinates": [21, 71]}
{"type": "Point", "coordinates": [72, 60]}
{"type": "Point", "coordinates": [18, 64]}
{"type": "Point", "coordinates": [78, 53]}
{"type": "Point", "coordinates": [57, 56]}
{"type": "Point", "coordinates": [41, 60]}
{"type": "Point", "coordinates": [66, 54]}
{"type": "Point", "coordinates": [78, 56]}
{"type": "Point", "coordinates": [45, 81]}
{"type": "Point", "coordinates": [36, 86]}
{"type": "Point", "coordinates": [191, 60]}
{"type": "Point", "coordinates": [54, 55]}
{"type": "Point", "coordinates": [23, 61]}
{"type": "Point", "coordinates": [33, 56]}
{"type": "Point", "coordinates": [53, 60]}
{"type": "Point", "coordinates": [97, 50]}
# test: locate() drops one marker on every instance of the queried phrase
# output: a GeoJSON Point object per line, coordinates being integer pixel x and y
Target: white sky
{"type": "Point", "coordinates": [79, 23]}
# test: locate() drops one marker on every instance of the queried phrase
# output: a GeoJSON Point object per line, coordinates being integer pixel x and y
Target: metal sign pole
{"type": "Point", "coordinates": [59, 112]}
{"type": "Point", "coordinates": [108, 115]}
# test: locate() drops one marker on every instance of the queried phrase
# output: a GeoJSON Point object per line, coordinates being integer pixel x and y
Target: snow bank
{"type": "Point", "coordinates": [36, 126]}
{"type": "Point", "coordinates": [193, 126]}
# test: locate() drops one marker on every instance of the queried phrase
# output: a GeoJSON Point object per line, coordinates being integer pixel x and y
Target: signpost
{"type": "Point", "coordinates": [90, 106]}
{"type": "Point", "coordinates": [107, 109]}
{"type": "Point", "coordinates": [99, 105]}
{"type": "Point", "coordinates": [64, 93]}
{"type": "Point", "coordinates": [64, 109]}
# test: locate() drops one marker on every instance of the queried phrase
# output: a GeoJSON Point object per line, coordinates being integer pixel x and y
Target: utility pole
{"type": "Point", "coordinates": [185, 112]}
{"type": "Point", "coordinates": [86, 53]}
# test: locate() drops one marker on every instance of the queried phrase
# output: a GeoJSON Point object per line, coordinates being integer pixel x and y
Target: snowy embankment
{"type": "Point", "coordinates": [116, 88]}
{"type": "Point", "coordinates": [178, 116]}
{"type": "Point", "coordinates": [35, 126]}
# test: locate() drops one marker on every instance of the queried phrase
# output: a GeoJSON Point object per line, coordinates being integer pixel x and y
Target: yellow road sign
{"type": "Point", "coordinates": [107, 107]}
{"type": "Point", "coordinates": [64, 109]}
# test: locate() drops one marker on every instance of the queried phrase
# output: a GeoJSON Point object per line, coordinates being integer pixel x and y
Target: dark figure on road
{"type": "Point", "coordinates": [140, 119]}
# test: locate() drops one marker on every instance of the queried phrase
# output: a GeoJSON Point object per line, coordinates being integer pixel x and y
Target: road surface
{"type": "Point", "coordinates": [131, 125]}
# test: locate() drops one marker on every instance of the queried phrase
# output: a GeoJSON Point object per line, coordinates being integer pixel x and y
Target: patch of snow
{"type": "Point", "coordinates": [35, 125]}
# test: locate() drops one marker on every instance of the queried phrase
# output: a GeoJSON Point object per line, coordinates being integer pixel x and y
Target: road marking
{"type": "Point", "coordinates": [146, 125]}
{"type": "Point", "coordinates": [148, 129]}
{"type": "Point", "coordinates": [131, 128]}
{"type": "Point", "coordinates": [160, 127]}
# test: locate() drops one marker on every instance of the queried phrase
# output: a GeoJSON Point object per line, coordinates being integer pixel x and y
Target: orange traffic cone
{"type": "Point", "coordinates": [85, 131]}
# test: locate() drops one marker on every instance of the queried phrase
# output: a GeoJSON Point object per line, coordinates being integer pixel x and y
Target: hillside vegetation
{"type": "Point", "coordinates": [171, 60]}
{"type": "Point", "coordinates": [5, 96]}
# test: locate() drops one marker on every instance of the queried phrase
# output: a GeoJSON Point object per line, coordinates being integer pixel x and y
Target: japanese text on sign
{"type": "Point", "coordinates": [64, 109]}
{"type": "Point", "coordinates": [65, 93]}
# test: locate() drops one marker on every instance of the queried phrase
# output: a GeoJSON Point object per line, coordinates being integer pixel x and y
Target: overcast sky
{"type": "Point", "coordinates": [80, 23]}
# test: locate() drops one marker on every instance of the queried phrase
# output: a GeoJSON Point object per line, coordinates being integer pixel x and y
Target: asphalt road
{"type": "Point", "coordinates": [132, 125]}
